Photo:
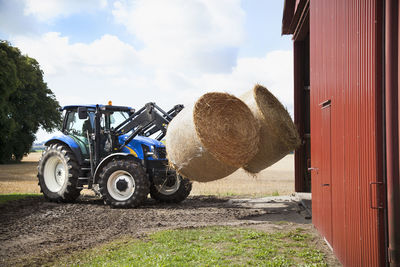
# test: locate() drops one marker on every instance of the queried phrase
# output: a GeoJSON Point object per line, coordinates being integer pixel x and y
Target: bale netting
{"type": "Point", "coordinates": [278, 134]}
{"type": "Point", "coordinates": [213, 138]}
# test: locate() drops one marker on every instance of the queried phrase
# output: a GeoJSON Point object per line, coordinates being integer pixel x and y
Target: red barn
{"type": "Point", "coordinates": [346, 66]}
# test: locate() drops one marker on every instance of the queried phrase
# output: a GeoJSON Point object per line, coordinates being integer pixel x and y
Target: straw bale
{"type": "Point", "coordinates": [227, 128]}
{"type": "Point", "coordinates": [206, 142]}
{"type": "Point", "coordinates": [278, 134]}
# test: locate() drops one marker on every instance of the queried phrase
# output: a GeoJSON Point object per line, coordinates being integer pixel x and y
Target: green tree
{"type": "Point", "coordinates": [26, 103]}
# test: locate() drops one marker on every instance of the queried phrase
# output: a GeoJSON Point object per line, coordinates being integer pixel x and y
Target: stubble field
{"type": "Point", "coordinates": [275, 180]}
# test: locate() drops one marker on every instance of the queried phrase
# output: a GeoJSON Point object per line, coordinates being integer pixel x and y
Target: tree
{"type": "Point", "coordinates": [26, 103]}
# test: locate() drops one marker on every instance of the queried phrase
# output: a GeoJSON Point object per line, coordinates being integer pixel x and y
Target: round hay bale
{"type": "Point", "coordinates": [213, 138]}
{"type": "Point", "coordinates": [226, 127]}
{"type": "Point", "coordinates": [278, 134]}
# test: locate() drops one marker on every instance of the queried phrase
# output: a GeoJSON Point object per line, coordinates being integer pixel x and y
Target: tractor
{"type": "Point", "coordinates": [115, 151]}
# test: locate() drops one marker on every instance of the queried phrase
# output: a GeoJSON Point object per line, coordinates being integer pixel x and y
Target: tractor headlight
{"type": "Point", "coordinates": [152, 152]}
{"type": "Point", "coordinates": [153, 149]}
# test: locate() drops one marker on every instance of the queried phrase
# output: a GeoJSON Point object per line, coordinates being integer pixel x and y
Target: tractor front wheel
{"type": "Point", "coordinates": [58, 173]}
{"type": "Point", "coordinates": [173, 189]}
{"type": "Point", "coordinates": [123, 184]}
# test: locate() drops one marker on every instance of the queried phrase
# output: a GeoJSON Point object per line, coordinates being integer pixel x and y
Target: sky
{"type": "Point", "coordinates": [168, 52]}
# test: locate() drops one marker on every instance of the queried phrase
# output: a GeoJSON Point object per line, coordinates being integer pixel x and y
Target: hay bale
{"type": "Point", "coordinates": [278, 134]}
{"type": "Point", "coordinates": [213, 138]}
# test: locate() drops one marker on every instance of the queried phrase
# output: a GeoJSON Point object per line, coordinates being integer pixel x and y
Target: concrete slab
{"type": "Point", "coordinates": [278, 208]}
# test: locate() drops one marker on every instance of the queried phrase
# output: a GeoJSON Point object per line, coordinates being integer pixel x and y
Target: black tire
{"type": "Point", "coordinates": [177, 190]}
{"type": "Point", "coordinates": [58, 173]}
{"type": "Point", "coordinates": [130, 173]}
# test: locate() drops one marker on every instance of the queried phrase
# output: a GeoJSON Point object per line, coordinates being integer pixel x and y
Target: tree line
{"type": "Point", "coordinates": [26, 103]}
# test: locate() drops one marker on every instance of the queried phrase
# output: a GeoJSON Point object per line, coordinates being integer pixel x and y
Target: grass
{"type": "Point", "coordinates": [10, 197]}
{"type": "Point", "coordinates": [275, 194]}
{"type": "Point", "coordinates": [209, 246]}
{"type": "Point", "coordinates": [242, 195]}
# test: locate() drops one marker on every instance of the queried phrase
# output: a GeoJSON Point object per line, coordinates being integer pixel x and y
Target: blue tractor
{"type": "Point", "coordinates": [109, 149]}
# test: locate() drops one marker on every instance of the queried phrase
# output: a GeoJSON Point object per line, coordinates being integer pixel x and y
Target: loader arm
{"type": "Point", "coordinates": [146, 121]}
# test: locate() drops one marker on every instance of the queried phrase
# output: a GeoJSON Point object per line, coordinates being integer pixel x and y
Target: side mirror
{"type": "Point", "coordinates": [82, 113]}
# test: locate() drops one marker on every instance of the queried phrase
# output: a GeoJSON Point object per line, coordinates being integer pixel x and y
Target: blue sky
{"type": "Point", "coordinates": [133, 52]}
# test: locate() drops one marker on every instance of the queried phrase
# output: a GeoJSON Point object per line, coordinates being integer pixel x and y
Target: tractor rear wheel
{"type": "Point", "coordinates": [174, 189]}
{"type": "Point", "coordinates": [124, 184]}
{"type": "Point", "coordinates": [58, 173]}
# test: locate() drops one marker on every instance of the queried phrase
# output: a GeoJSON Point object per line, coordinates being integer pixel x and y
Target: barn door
{"type": "Point", "coordinates": [326, 173]}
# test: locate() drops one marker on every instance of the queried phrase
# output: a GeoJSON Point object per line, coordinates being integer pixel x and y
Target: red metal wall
{"type": "Point", "coordinates": [345, 69]}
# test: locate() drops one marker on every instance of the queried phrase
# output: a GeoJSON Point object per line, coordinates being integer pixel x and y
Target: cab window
{"type": "Point", "coordinates": [79, 127]}
{"type": "Point", "coordinates": [117, 117]}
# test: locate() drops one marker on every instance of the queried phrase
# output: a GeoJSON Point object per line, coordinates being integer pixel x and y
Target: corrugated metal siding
{"type": "Point", "coordinates": [343, 69]}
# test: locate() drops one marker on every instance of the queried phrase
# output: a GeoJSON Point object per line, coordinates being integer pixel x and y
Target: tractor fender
{"type": "Point", "coordinates": [111, 157]}
{"type": "Point", "coordinates": [69, 142]}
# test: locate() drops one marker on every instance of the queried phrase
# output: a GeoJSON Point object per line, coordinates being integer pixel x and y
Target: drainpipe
{"type": "Point", "coordinates": [392, 130]}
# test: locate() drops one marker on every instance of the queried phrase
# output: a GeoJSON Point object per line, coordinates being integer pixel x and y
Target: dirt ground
{"type": "Point", "coordinates": [277, 179]}
{"type": "Point", "coordinates": [35, 232]}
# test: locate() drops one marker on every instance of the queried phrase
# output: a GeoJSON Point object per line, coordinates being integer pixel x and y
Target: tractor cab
{"type": "Point", "coordinates": [79, 124]}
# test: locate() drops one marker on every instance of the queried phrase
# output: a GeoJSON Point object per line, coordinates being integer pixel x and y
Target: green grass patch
{"type": "Point", "coordinates": [275, 194]}
{"type": "Point", "coordinates": [227, 194]}
{"type": "Point", "coordinates": [240, 195]}
{"type": "Point", "coordinates": [210, 246]}
{"type": "Point", "coordinates": [10, 197]}
{"type": "Point", "coordinates": [280, 222]}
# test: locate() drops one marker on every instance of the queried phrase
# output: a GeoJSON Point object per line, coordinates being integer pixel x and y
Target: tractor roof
{"type": "Point", "coordinates": [102, 107]}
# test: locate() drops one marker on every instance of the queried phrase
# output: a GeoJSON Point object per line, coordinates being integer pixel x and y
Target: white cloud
{"type": "Point", "coordinates": [85, 73]}
{"type": "Point", "coordinates": [105, 56]}
{"type": "Point", "coordinates": [45, 10]}
{"type": "Point", "coordinates": [111, 69]}
{"type": "Point", "coordinates": [198, 36]}
{"type": "Point", "coordinates": [274, 70]}
{"type": "Point", "coordinates": [188, 48]}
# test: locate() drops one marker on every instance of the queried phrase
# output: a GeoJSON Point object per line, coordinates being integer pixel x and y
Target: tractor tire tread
{"type": "Point", "coordinates": [142, 183]}
{"type": "Point", "coordinates": [70, 192]}
{"type": "Point", "coordinates": [180, 195]}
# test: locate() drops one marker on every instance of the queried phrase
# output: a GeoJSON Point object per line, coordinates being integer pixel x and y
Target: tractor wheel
{"type": "Point", "coordinates": [58, 173]}
{"type": "Point", "coordinates": [174, 190]}
{"type": "Point", "coordinates": [123, 184]}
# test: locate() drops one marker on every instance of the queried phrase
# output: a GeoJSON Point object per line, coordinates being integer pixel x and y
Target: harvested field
{"type": "Point", "coordinates": [277, 179]}
{"type": "Point", "coordinates": [20, 178]}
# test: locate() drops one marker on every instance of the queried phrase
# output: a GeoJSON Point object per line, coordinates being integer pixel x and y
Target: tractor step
{"type": "Point", "coordinates": [81, 182]}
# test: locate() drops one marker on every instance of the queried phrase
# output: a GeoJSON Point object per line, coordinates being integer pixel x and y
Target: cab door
{"type": "Point", "coordinates": [78, 129]}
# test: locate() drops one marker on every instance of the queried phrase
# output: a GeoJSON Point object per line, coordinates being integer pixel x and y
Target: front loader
{"type": "Point", "coordinates": [111, 150]}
